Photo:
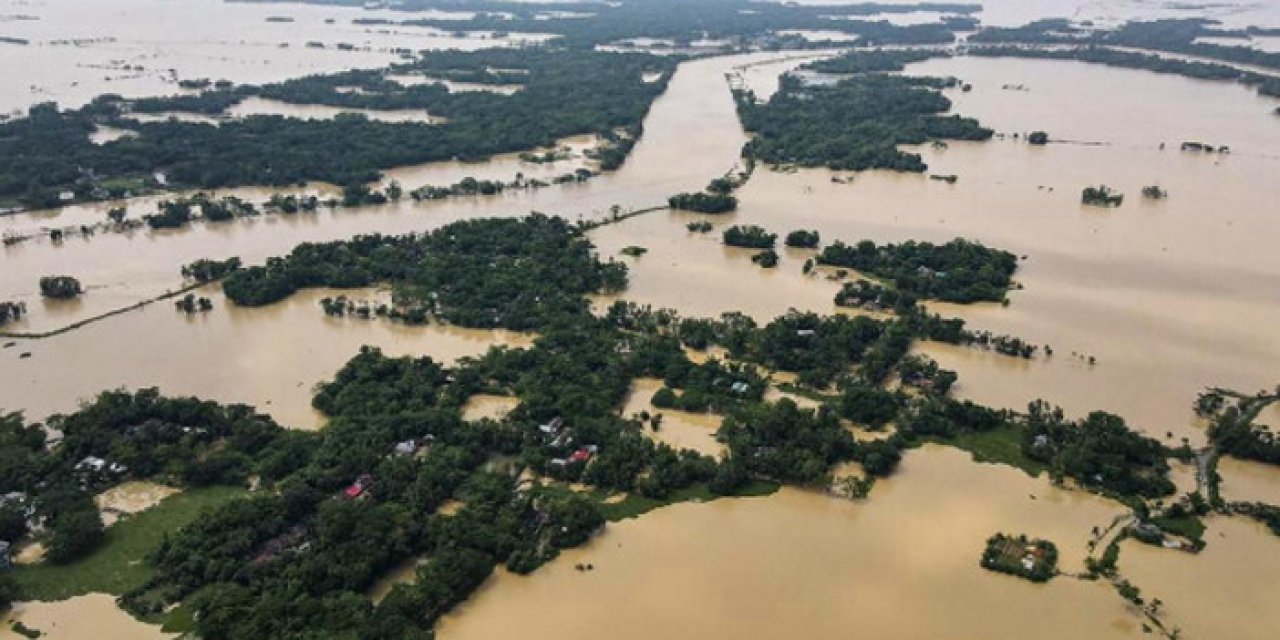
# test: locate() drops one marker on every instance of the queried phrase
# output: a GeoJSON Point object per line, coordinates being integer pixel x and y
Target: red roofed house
{"type": "Point", "coordinates": [357, 489]}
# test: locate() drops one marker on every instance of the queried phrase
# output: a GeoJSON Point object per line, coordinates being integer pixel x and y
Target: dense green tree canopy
{"type": "Point", "coordinates": [854, 124]}
{"type": "Point", "coordinates": [563, 93]}
{"type": "Point", "coordinates": [512, 273]}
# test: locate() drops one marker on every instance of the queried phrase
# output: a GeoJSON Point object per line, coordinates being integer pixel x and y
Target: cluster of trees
{"type": "Point", "coordinates": [1182, 36]}
{"type": "Point", "coordinates": [853, 125]}
{"type": "Point", "coordinates": [945, 418]}
{"type": "Point", "coordinates": [1003, 344]}
{"type": "Point", "coordinates": [710, 386]}
{"type": "Point", "coordinates": [874, 297]}
{"type": "Point", "coordinates": [787, 443]}
{"type": "Point", "coordinates": [686, 22]}
{"type": "Point", "coordinates": [359, 194]}
{"type": "Point", "coordinates": [179, 212]}
{"type": "Point", "coordinates": [749, 236]}
{"type": "Point", "coordinates": [791, 444]}
{"type": "Point", "coordinates": [1099, 451]}
{"type": "Point", "coordinates": [291, 204]}
{"type": "Point", "coordinates": [11, 311]}
{"type": "Point", "coordinates": [1038, 138]}
{"type": "Point", "coordinates": [170, 214]}
{"type": "Point", "coordinates": [924, 374]}
{"type": "Point", "coordinates": [1233, 431]}
{"type": "Point", "coordinates": [802, 239]}
{"type": "Point", "coordinates": [1101, 196]}
{"type": "Point", "coordinates": [296, 560]}
{"type": "Point", "coordinates": [703, 202]}
{"type": "Point", "coordinates": [1012, 554]}
{"type": "Point", "coordinates": [190, 304]}
{"type": "Point", "coordinates": [49, 495]}
{"type": "Point", "coordinates": [342, 306]}
{"type": "Point", "coordinates": [565, 93]}
{"type": "Point", "coordinates": [958, 271]}
{"type": "Point", "coordinates": [820, 350]}
{"type": "Point", "coordinates": [470, 186]}
{"type": "Point", "coordinates": [1266, 514]}
{"type": "Point", "coordinates": [616, 147]}
{"type": "Point", "coordinates": [208, 270]}
{"type": "Point", "coordinates": [767, 259]}
{"type": "Point", "coordinates": [869, 405]}
{"type": "Point", "coordinates": [1266, 84]}
{"type": "Point", "coordinates": [1179, 36]}
{"type": "Point", "coordinates": [143, 436]}
{"type": "Point", "coordinates": [1154, 192]}
{"type": "Point", "coordinates": [60, 287]}
{"type": "Point", "coordinates": [873, 61]}
{"type": "Point", "coordinates": [510, 273]}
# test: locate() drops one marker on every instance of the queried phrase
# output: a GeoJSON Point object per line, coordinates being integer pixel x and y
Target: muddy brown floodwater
{"type": "Point", "coordinates": [487, 406]}
{"type": "Point", "coordinates": [129, 498]}
{"type": "Point", "coordinates": [254, 106]}
{"type": "Point", "coordinates": [1245, 481]}
{"type": "Point", "coordinates": [1228, 590]}
{"type": "Point", "coordinates": [903, 564]}
{"type": "Point", "coordinates": [1170, 297]}
{"type": "Point", "coordinates": [270, 357]}
{"type": "Point", "coordinates": [679, 429]}
{"type": "Point", "coordinates": [691, 135]}
{"type": "Point", "coordinates": [1234, 13]}
{"type": "Point", "coordinates": [82, 48]}
{"type": "Point", "coordinates": [90, 616]}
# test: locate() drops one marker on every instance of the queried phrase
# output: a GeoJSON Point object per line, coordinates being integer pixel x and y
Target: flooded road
{"type": "Point", "coordinates": [1228, 590]}
{"type": "Point", "coordinates": [269, 357]}
{"type": "Point", "coordinates": [904, 564]}
{"type": "Point", "coordinates": [691, 136]}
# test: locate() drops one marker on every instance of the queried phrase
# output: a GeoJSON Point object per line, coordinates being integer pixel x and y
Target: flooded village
{"type": "Point", "coordinates": [558, 404]}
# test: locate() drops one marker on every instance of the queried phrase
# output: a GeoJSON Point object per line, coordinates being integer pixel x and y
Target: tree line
{"type": "Point", "coordinates": [565, 93]}
{"type": "Point", "coordinates": [854, 124]}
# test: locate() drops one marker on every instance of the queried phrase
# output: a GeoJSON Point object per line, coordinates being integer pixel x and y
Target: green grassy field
{"type": "Point", "coordinates": [119, 564]}
{"type": "Point", "coordinates": [634, 505]}
{"type": "Point", "coordinates": [1188, 526]}
{"type": "Point", "coordinates": [999, 446]}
